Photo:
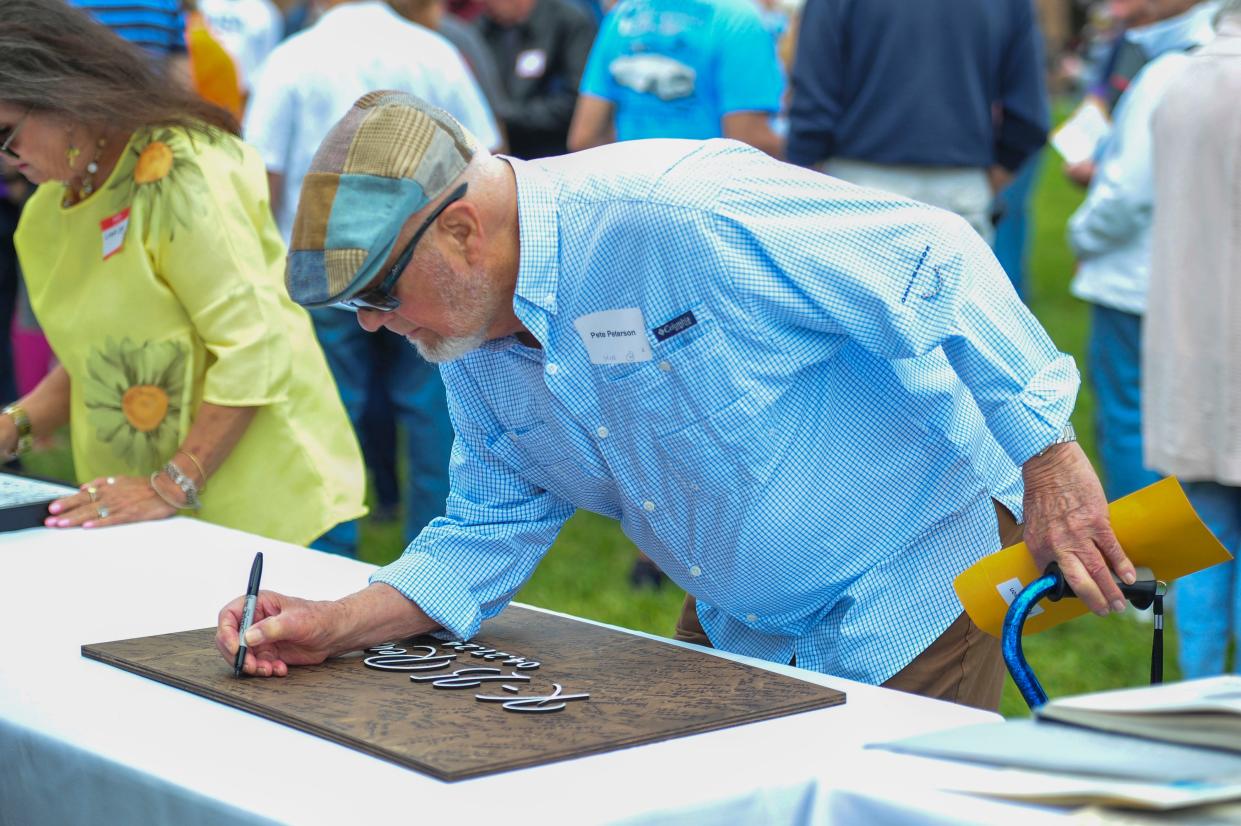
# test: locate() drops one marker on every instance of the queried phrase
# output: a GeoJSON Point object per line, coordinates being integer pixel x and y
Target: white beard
{"type": "Point", "coordinates": [449, 349]}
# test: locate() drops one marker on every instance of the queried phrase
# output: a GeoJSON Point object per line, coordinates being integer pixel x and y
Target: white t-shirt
{"type": "Point", "coordinates": [309, 82]}
{"type": "Point", "coordinates": [247, 29]}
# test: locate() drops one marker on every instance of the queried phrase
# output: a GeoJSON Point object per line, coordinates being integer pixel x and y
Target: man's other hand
{"type": "Point", "coordinates": [1066, 521]}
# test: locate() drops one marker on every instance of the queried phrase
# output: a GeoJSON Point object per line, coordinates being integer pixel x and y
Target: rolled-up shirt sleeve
{"type": "Point", "coordinates": [900, 279]}
{"type": "Point", "coordinates": [465, 566]}
{"type": "Point", "coordinates": [217, 265]}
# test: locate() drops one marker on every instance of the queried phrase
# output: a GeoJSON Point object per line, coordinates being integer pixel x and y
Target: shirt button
{"type": "Point", "coordinates": [602, 431]}
{"type": "Point", "coordinates": [513, 436]}
{"type": "Point", "coordinates": [695, 571]}
{"type": "Point", "coordinates": [751, 617]}
{"type": "Point", "coordinates": [553, 369]}
{"type": "Point", "coordinates": [665, 366]}
{"type": "Point", "coordinates": [648, 505]}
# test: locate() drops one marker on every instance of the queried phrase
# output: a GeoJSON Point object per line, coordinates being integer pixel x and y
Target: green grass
{"type": "Point", "coordinates": [586, 571]}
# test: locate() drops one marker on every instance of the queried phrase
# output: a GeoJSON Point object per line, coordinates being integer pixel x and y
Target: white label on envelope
{"type": "Point", "coordinates": [614, 336]}
{"type": "Point", "coordinates": [1010, 588]}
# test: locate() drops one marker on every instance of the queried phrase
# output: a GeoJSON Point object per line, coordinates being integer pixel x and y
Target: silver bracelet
{"type": "Point", "coordinates": [186, 484]}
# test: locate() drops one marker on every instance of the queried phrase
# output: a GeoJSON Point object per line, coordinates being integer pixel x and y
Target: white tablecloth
{"type": "Point", "coordinates": [83, 742]}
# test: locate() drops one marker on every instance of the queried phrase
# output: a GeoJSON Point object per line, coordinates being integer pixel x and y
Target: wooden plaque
{"type": "Point", "coordinates": [641, 691]}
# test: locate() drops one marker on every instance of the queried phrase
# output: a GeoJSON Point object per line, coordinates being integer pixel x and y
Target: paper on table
{"type": "Point", "coordinates": [1079, 136]}
{"type": "Point", "coordinates": [1060, 748]}
{"type": "Point", "coordinates": [1204, 712]}
{"type": "Point", "coordinates": [1052, 785]}
{"type": "Point", "coordinates": [1156, 526]}
{"type": "Point", "coordinates": [1221, 693]}
{"type": "Point", "coordinates": [1067, 790]}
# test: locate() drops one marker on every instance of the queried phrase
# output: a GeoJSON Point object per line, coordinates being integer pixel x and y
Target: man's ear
{"type": "Point", "coordinates": [462, 227]}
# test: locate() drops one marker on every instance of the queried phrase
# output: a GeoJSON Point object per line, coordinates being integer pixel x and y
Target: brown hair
{"type": "Point", "coordinates": [57, 59]}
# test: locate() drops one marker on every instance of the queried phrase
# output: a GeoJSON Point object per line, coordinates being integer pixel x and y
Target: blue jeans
{"type": "Point", "coordinates": [1012, 233]}
{"type": "Point", "coordinates": [416, 394]}
{"type": "Point", "coordinates": [341, 540]}
{"type": "Point", "coordinates": [1208, 603]}
{"type": "Point", "coordinates": [1115, 361]}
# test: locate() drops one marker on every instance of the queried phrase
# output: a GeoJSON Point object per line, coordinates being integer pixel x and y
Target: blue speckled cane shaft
{"type": "Point", "coordinates": [1010, 639]}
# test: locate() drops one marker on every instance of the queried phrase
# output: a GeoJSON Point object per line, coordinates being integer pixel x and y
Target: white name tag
{"type": "Point", "coordinates": [114, 229]}
{"type": "Point", "coordinates": [614, 336]}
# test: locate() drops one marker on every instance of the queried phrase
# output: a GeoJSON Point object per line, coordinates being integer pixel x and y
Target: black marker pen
{"type": "Point", "coordinates": [247, 615]}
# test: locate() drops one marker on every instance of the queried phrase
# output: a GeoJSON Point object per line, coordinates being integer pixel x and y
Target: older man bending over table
{"type": "Point", "coordinates": [811, 404]}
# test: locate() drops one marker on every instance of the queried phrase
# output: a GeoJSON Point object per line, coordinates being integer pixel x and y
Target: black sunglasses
{"type": "Point", "coordinates": [380, 296]}
{"type": "Point", "coordinates": [9, 133]}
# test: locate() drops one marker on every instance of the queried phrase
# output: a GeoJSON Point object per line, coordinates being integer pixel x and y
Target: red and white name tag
{"type": "Point", "coordinates": [114, 229]}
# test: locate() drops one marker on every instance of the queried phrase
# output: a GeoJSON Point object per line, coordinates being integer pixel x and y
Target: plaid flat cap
{"type": "Point", "coordinates": [390, 156]}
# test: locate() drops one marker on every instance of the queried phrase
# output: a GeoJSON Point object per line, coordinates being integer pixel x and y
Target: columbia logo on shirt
{"type": "Point", "coordinates": [679, 324]}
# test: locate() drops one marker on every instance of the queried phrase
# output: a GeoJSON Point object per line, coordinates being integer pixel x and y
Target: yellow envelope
{"type": "Point", "coordinates": [1156, 526]}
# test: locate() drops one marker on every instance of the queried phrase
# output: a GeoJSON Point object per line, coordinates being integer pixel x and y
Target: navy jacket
{"type": "Point", "coordinates": [921, 82]}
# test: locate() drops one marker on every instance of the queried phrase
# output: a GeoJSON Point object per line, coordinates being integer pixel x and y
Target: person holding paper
{"type": "Point", "coordinates": [1110, 234]}
{"type": "Point", "coordinates": [189, 380]}
{"type": "Point", "coordinates": [810, 403]}
{"type": "Point", "coordinates": [1191, 355]}
{"type": "Point", "coordinates": [1080, 136]}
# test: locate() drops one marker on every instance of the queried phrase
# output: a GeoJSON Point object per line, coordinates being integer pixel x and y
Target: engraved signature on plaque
{"type": "Point", "coordinates": [391, 656]}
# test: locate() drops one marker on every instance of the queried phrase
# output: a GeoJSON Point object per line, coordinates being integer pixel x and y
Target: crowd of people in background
{"type": "Point", "coordinates": [947, 103]}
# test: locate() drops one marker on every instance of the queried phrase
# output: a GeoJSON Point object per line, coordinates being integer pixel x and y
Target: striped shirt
{"type": "Point", "coordinates": [157, 26]}
{"type": "Point", "coordinates": [829, 386]}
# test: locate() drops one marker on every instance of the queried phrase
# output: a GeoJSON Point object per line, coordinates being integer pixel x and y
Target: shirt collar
{"type": "Point", "coordinates": [538, 269]}
{"type": "Point", "coordinates": [1230, 26]}
{"type": "Point", "coordinates": [358, 10]}
{"type": "Point", "coordinates": [1186, 30]}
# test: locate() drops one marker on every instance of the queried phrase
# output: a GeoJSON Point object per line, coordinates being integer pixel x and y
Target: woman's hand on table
{"type": "Point", "coordinates": [109, 500]}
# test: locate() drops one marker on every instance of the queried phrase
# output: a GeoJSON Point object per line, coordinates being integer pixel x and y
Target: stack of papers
{"type": "Point", "coordinates": [1198, 712]}
{"type": "Point", "coordinates": [1163, 747]}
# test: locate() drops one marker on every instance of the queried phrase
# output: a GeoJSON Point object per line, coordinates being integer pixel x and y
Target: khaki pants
{"type": "Point", "coordinates": [963, 190]}
{"type": "Point", "coordinates": [963, 665]}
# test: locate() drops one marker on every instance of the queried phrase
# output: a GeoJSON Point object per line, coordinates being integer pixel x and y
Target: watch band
{"type": "Point", "coordinates": [1067, 434]}
{"type": "Point", "coordinates": [25, 435]}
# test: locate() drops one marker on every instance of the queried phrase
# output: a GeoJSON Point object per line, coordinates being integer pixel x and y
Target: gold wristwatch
{"type": "Point", "coordinates": [25, 438]}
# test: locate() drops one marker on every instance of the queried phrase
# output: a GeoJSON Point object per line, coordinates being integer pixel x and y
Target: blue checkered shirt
{"type": "Point", "coordinates": [812, 447]}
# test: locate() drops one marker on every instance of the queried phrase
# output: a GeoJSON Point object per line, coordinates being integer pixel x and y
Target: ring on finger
{"type": "Point", "coordinates": [92, 492]}
{"type": "Point", "coordinates": [111, 480]}
{"type": "Point", "coordinates": [103, 511]}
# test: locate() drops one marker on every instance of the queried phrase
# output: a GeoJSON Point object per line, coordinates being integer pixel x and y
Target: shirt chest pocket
{"type": "Point", "coordinates": [549, 460]}
{"type": "Point", "coordinates": [715, 426]}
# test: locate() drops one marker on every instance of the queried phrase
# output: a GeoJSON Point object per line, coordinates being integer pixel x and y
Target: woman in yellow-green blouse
{"type": "Point", "coordinates": [189, 379]}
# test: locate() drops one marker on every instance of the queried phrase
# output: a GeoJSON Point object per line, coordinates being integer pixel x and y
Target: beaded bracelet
{"type": "Point", "coordinates": [186, 484]}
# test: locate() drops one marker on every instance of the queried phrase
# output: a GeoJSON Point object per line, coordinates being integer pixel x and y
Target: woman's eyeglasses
{"type": "Point", "coordinates": [9, 134]}
{"type": "Point", "coordinates": [380, 297]}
